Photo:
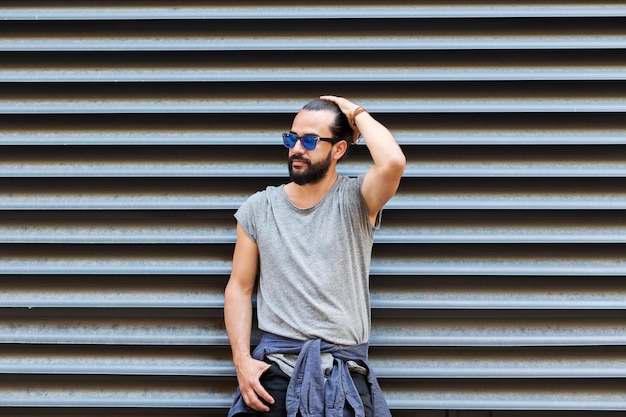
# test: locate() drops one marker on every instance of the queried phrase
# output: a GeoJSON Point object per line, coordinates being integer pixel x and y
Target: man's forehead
{"type": "Point", "coordinates": [317, 119]}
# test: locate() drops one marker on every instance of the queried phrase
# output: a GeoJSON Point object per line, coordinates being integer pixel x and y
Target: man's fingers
{"type": "Point", "coordinates": [254, 394]}
{"type": "Point", "coordinates": [264, 395]}
{"type": "Point", "coordinates": [260, 390]}
{"type": "Point", "coordinates": [255, 403]}
{"type": "Point", "coordinates": [257, 398]}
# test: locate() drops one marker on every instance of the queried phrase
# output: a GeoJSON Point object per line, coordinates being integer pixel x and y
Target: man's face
{"type": "Point", "coordinates": [310, 167]}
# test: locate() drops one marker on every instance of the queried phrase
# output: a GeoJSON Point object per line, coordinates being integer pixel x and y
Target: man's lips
{"type": "Point", "coordinates": [299, 162]}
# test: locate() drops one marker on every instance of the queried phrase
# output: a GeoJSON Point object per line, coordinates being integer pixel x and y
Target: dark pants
{"type": "Point", "coordinates": [275, 382]}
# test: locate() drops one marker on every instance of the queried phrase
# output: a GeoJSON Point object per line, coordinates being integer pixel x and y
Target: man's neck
{"type": "Point", "coordinates": [308, 195]}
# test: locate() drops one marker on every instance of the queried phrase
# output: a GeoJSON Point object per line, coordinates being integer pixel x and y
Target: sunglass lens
{"type": "Point", "coordinates": [289, 139]}
{"type": "Point", "coordinates": [308, 142]}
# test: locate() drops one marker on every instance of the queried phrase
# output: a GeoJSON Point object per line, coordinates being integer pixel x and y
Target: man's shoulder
{"type": "Point", "coordinates": [265, 195]}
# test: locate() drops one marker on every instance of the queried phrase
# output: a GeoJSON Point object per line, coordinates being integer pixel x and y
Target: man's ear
{"type": "Point", "coordinates": [340, 150]}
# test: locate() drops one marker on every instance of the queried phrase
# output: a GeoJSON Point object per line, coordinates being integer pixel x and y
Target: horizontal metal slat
{"type": "Point", "coordinates": [387, 292]}
{"type": "Point", "coordinates": [413, 39]}
{"type": "Point", "coordinates": [330, 66]}
{"type": "Point", "coordinates": [308, 11]}
{"type": "Point", "coordinates": [513, 194]}
{"type": "Point", "coordinates": [68, 265]}
{"type": "Point", "coordinates": [504, 226]}
{"type": "Point", "coordinates": [118, 227]}
{"type": "Point", "coordinates": [228, 194]}
{"type": "Point", "coordinates": [163, 105]}
{"type": "Point", "coordinates": [125, 130]}
{"type": "Point", "coordinates": [387, 363]}
{"type": "Point", "coordinates": [530, 136]}
{"type": "Point", "coordinates": [497, 293]}
{"type": "Point", "coordinates": [105, 360]}
{"type": "Point", "coordinates": [506, 328]}
{"type": "Point", "coordinates": [429, 394]}
{"type": "Point", "coordinates": [233, 162]}
{"type": "Point", "coordinates": [339, 66]}
{"type": "Point", "coordinates": [581, 73]}
{"type": "Point", "coordinates": [191, 227]}
{"type": "Point", "coordinates": [118, 412]}
{"type": "Point", "coordinates": [382, 99]}
{"type": "Point", "coordinates": [398, 227]}
{"type": "Point", "coordinates": [75, 291]}
{"type": "Point", "coordinates": [113, 393]}
{"type": "Point", "coordinates": [314, 75]}
{"type": "Point", "coordinates": [406, 329]}
{"type": "Point", "coordinates": [115, 234]}
{"type": "Point", "coordinates": [497, 260]}
{"type": "Point", "coordinates": [416, 363]}
{"type": "Point", "coordinates": [263, 129]}
{"type": "Point", "coordinates": [507, 201]}
{"type": "Point", "coordinates": [404, 260]}
{"type": "Point", "coordinates": [159, 330]}
{"type": "Point", "coordinates": [497, 267]}
{"type": "Point", "coordinates": [520, 396]}
{"type": "Point", "coordinates": [608, 234]}
{"type": "Point", "coordinates": [497, 363]}
{"type": "Point", "coordinates": [451, 137]}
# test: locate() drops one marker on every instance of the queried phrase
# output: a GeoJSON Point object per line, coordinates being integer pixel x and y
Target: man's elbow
{"type": "Point", "coordinates": [396, 164]}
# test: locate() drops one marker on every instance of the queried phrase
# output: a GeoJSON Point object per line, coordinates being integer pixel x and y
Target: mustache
{"type": "Point", "coordinates": [299, 158]}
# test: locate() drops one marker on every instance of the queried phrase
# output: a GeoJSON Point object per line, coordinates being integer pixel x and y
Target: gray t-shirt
{"type": "Point", "coordinates": [314, 263]}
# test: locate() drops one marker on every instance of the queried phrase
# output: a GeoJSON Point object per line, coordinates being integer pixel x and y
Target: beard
{"type": "Point", "coordinates": [314, 174]}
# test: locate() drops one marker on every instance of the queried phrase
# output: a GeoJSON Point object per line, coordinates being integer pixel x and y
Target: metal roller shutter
{"type": "Point", "coordinates": [131, 131]}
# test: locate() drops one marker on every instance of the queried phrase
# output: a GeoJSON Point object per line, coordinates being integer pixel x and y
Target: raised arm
{"type": "Point", "coordinates": [238, 320]}
{"type": "Point", "coordinates": [383, 178]}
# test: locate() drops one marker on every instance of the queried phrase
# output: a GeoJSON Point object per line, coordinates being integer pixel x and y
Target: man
{"type": "Point", "coordinates": [310, 241]}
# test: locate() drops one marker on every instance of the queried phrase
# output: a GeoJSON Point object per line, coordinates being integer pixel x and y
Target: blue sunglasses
{"type": "Point", "coordinates": [309, 142]}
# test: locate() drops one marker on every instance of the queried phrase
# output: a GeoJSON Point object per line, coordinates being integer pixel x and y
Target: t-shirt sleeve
{"type": "Point", "coordinates": [245, 215]}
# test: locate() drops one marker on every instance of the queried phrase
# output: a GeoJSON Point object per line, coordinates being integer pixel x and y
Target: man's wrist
{"type": "Point", "coordinates": [352, 116]}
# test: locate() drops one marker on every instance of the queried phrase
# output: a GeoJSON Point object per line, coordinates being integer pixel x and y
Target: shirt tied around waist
{"type": "Point", "coordinates": [308, 391]}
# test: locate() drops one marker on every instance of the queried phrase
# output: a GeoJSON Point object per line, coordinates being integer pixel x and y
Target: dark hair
{"type": "Point", "coordinates": [341, 128]}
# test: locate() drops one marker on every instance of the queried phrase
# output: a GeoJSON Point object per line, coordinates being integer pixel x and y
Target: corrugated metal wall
{"type": "Point", "coordinates": [130, 131]}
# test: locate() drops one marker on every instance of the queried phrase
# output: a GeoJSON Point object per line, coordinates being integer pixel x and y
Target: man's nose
{"type": "Point", "coordinates": [298, 147]}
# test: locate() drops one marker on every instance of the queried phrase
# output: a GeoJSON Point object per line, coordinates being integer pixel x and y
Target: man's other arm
{"type": "Point", "coordinates": [238, 320]}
